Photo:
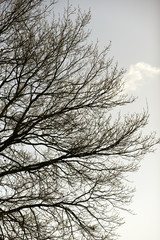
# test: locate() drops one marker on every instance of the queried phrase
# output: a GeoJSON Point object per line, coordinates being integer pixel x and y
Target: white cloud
{"type": "Point", "coordinates": [139, 73]}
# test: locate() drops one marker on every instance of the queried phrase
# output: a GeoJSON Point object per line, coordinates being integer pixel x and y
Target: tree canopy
{"type": "Point", "coordinates": [65, 148]}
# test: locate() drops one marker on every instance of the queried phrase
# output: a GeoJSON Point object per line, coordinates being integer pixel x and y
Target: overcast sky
{"type": "Point", "coordinates": [133, 26]}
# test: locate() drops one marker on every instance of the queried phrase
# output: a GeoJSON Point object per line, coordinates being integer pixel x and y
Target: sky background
{"type": "Point", "coordinates": [133, 27]}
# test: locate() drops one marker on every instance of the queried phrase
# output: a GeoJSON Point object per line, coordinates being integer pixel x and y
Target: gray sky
{"type": "Point", "coordinates": [133, 26]}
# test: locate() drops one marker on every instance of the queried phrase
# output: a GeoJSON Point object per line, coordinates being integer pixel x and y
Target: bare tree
{"type": "Point", "coordinates": [63, 156]}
